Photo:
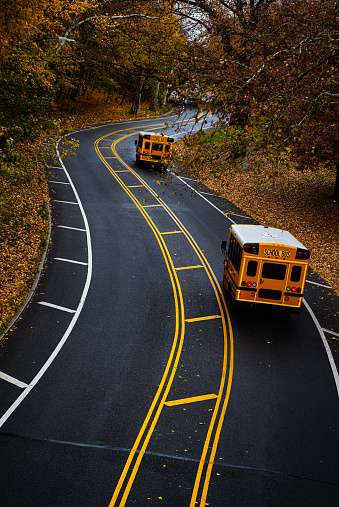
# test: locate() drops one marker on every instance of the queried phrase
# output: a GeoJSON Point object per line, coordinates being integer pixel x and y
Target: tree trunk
{"type": "Point", "coordinates": [123, 98]}
{"type": "Point", "coordinates": [336, 186]}
{"type": "Point", "coordinates": [154, 99]}
{"type": "Point", "coordinates": [137, 97]}
{"type": "Point", "coordinates": [164, 97]}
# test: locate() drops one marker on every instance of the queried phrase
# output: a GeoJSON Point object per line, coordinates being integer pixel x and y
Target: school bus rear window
{"type": "Point", "coordinates": [273, 271]}
{"type": "Point", "coordinates": [157, 147]}
{"type": "Point", "coordinates": [251, 268]}
{"type": "Point", "coordinates": [296, 274]}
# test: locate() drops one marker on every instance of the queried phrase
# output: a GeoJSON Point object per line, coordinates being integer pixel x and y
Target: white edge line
{"type": "Point", "coordinates": [202, 197]}
{"type": "Point", "coordinates": [57, 307]}
{"type": "Point", "coordinates": [70, 260]}
{"type": "Point", "coordinates": [319, 284]}
{"type": "Point", "coordinates": [71, 325]}
{"type": "Point", "coordinates": [326, 345]}
{"type": "Point", "coordinates": [13, 380]}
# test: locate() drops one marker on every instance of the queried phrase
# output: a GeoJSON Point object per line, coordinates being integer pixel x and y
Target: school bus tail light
{"type": "Point", "coordinates": [302, 254]}
{"type": "Point", "coordinates": [251, 248]}
{"type": "Point", "coordinates": [248, 284]}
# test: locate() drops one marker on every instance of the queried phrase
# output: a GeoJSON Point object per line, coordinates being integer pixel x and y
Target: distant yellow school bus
{"type": "Point", "coordinates": [151, 147]}
{"type": "Point", "coordinates": [264, 265]}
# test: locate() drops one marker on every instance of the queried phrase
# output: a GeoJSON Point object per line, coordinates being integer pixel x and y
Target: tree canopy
{"type": "Point", "coordinates": [58, 50]}
{"type": "Point", "coordinates": [270, 67]}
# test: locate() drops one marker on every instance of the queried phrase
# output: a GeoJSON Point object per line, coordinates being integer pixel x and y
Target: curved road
{"type": "Point", "coordinates": [127, 381]}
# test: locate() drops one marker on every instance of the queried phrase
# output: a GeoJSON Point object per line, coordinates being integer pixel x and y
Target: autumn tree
{"type": "Point", "coordinates": [119, 44]}
{"type": "Point", "coordinates": [270, 68]}
{"type": "Point", "coordinates": [26, 82]}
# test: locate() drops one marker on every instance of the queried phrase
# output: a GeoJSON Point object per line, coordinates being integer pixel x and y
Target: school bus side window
{"type": "Point", "coordinates": [234, 253]}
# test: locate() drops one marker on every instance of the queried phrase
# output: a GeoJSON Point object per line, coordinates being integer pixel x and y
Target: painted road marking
{"type": "Point", "coordinates": [197, 319]}
{"type": "Point", "coordinates": [326, 345]}
{"type": "Point", "coordinates": [191, 400]}
{"type": "Point", "coordinates": [13, 380]}
{"type": "Point", "coordinates": [57, 307]}
{"type": "Point", "coordinates": [181, 178]}
{"type": "Point", "coordinates": [152, 205]}
{"type": "Point", "coordinates": [70, 260]}
{"type": "Point", "coordinates": [65, 202]}
{"type": "Point", "coordinates": [59, 182]}
{"type": "Point", "coordinates": [319, 284]}
{"type": "Point", "coordinates": [74, 319]}
{"type": "Point", "coordinates": [72, 228]}
{"type": "Point", "coordinates": [133, 186]}
{"type": "Point", "coordinates": [190, 179]}
{"type": "Point", "coordinates": [189, 267]}
{"type": "Point", "coordinates": [211, 442]}
{"type": "Point", "coordinates": [330, 332]}
{"type": "Point", "coordinates": [172, 232]}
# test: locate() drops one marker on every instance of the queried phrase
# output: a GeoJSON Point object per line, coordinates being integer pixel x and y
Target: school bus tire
{"type": "Point", "coordinates": [229, 296]}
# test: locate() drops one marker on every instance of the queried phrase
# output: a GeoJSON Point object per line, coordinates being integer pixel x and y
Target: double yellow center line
{"type": "Point", "coordinates": [138, 450]}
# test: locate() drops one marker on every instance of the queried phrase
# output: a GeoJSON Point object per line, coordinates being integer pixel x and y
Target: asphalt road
{"type": "Point", "coordinates": [126, 380]}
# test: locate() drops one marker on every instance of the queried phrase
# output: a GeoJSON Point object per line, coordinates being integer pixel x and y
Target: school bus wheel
{"type": "Point", "coordinates": [229, 296]}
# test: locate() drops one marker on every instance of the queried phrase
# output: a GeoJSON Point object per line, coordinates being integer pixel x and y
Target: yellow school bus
{"type": "Point", "coordinates": [264, 266]}
{"type": "Point", "coordinates": [151, 147]}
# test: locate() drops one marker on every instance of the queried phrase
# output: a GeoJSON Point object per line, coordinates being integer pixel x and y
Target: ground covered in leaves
{"type": "Point", "coordinates": [290, 199]}
{"type": "Point", "coordinates": [23, 227]}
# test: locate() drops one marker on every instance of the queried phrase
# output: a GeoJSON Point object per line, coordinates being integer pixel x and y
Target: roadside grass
{"type": "Point", "coordinates": [278, 196]}
{"type": "Point", "coordinates": [24, 199]}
